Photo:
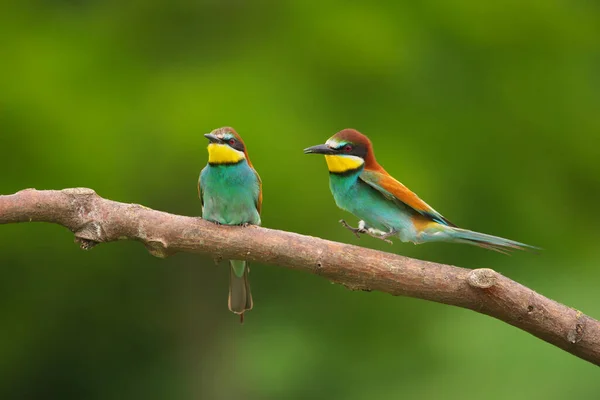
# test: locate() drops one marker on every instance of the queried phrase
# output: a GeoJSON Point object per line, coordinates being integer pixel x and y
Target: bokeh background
{"type": "Point", "coordinates": [488, 110]}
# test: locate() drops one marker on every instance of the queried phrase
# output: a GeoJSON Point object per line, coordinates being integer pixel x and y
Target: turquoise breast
{"type": "Point", "coordinates": [230, 194]}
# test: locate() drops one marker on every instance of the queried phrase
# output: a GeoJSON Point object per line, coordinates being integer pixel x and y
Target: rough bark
{"type": "Point", "coordinates": [96, 220]}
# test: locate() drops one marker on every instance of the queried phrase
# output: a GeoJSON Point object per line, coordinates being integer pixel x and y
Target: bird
{"type": "Point", "coordinates": [386, 208]}
{"type": "Point", "coordinates": [231, 193]}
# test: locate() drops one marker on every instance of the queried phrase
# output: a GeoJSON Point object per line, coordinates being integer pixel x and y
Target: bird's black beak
{"type": "Point", "coordinates": [212, 138]}
{"type": "Point", "coordinates": [320, 149]}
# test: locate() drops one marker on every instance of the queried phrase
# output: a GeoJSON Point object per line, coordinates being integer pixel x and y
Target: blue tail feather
{"type": "Point", "coordinates": [484, 240]}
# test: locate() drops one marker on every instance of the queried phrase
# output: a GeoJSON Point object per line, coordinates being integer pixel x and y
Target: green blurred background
{"type": "Point", "coordinates": [488, 110]}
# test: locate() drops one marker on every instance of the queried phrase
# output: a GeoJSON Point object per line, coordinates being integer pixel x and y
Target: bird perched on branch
{"type": "Point", "coordinates": [385, 206]}
{"type": "Point", "coordinates": [231, 194]}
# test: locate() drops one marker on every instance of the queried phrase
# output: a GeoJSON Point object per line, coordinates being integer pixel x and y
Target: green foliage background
{"type": "Point", "coordinates": [488, 110]}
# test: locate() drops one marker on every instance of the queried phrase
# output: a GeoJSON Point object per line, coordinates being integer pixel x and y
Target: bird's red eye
{"type": "Point", "coordinates": [347, 148]}
{"type": "Point", "coordinates": [232, 141]}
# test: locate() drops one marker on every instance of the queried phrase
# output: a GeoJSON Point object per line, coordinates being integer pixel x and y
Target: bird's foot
{"type": "Point", "coordinates": [245, 224]}
{"type": "Point", "coordinates": [356, 231]}
{"type": "Point", "coordinates": [391, 233]}
{"type": "Point", "coordinates": [374, 233]}
{"type": "Point", "coordinates": [381, 236]}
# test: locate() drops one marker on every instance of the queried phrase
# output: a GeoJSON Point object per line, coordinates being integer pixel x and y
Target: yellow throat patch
{"type": "Point", "coordinates": [340, 164]}
{"type": "Point", "coordinates": [223, 154]}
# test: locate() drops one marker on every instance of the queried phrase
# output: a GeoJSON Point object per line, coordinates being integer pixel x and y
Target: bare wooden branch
{"type": "Point", "coordinates": [96, 220]}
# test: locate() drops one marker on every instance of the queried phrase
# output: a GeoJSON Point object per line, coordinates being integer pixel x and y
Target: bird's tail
{"type": "Point", "coordinates": [240, 298]}
{"type": "Point", "coordinates": [486, 241]}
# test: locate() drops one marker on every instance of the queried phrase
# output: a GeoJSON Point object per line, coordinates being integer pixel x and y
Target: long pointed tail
{"type": "Point", "coordinates": [486, 241]}
{"type": "Point", "coordinates": [240, 298]}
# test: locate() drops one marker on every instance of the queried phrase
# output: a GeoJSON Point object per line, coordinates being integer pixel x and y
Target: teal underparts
{"type": "Point", "coordinates": [230, 194]}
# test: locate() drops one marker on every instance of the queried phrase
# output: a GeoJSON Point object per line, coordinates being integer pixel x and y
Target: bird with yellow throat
{"type": "Point", "coordinates": [231, 194]}
{"type": "Point", "coordinates": [386, 208]}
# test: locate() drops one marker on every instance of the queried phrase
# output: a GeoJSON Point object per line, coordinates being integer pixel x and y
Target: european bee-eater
{"type": "Point", "coordinates": [231, 194]}
{"type": "Point", "coordinates": [385, 206]}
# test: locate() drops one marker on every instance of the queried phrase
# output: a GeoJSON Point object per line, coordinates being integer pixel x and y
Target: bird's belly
{"type": "Point", "coordinates": [229, 210]}
{"type": "Point", "coordinates": [230, 199]}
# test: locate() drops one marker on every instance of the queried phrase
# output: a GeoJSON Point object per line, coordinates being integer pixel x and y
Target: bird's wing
{"type": "Point", "coordinates": [259, 198]}
{"type": "Point", "coordinates": [395, 191]}
{"type": "Point", "coordinates": [200, 187]}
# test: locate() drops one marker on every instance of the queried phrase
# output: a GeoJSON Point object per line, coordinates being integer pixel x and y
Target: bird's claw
{"type": "Point", "coordinates": [245, 224]}
{"type": "Point", "coordinates": [389, 234]}
{"type": "Point", "coordinates": [385, 236]}
{"type": "Point", "coordinates": [356, 231]}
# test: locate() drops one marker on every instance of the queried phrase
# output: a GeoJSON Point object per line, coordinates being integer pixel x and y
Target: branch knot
{"type": "Point", "coordinates": [157, 247]}
{"type": "Point", "coordinates": [576, 334]}
{"type": "Point", "coordinates": [79, 191]}
{"type": "Point", "coordinates": [482, 278]}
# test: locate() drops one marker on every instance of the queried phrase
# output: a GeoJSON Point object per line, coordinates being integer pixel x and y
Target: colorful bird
{"type": "Point", "coordinates": [231, 194]}
{"type": "Point", "coordinates": [385, 206]}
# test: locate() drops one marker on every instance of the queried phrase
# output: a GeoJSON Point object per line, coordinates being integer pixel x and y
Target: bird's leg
{"type": "Point", "coordinates": [362, 228]}
{"type": "Point", "coordinates": [392, 232]}
{"type": "Point", "coordinates": [377, 234]}
{"type": "Point", "coordinates": [356, 231]}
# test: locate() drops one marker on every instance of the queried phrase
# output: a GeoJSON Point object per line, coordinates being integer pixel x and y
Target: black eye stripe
{"type": "Point", "coordinates": [341, 148]}
{"type": "Point", "coordinates": [355, 149]}
{"type": "Point", "coordinates": [237, 145]}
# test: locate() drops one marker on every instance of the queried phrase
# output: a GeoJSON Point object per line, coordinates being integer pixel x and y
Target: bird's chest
{"type": "Point", "coordinates": [229, 193]}
{"type": "Point", "coordinates": [349, 193]}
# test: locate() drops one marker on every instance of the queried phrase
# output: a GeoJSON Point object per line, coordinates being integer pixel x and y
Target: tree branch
{"type": "Point", "coordinates": [96, 220]}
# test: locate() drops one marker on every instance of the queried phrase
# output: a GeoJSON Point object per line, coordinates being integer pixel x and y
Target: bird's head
{"type": "Point", "coordinates": [225, 147]}
{"type": "Point", "coordinates": [346, 151]}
